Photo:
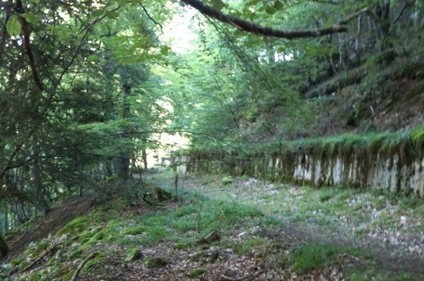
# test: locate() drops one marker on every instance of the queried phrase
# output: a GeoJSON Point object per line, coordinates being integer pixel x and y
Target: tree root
{"type": "Point", "coordinates": [77, 272]}
{"type": "Point", "coordinates": [45, 253]}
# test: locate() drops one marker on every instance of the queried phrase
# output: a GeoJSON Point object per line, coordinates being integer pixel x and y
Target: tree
{"type": "Point", "coordinates": [60, 125]}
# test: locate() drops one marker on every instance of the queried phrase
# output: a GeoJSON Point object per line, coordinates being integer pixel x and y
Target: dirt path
{"type": "Point", "coordinates": [387, 228]}
{"type": "Point", "coordinates": [266, 232]}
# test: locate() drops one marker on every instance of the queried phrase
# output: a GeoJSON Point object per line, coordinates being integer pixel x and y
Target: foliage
{"type": "Point", "coordinates": [263, 91]}
{"type": "Point", "coordinates": [78, 100]}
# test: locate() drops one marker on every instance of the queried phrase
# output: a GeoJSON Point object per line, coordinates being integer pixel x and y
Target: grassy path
{"type": "Point", "coordinates": [386, 228]}
{"type": "Point", "coordinates": [229, 229]}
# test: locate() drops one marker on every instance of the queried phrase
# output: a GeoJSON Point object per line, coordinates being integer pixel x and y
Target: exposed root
{"type": "Point", "coordinates": [78, 271]}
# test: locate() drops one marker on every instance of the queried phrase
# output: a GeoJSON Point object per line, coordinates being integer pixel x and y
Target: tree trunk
{"type": "Point", "coordinates": [124, 158]}
{"type": "Point", "coordinates": [4, 249]}
{"type": "Point", "coordinates": [383, 23]}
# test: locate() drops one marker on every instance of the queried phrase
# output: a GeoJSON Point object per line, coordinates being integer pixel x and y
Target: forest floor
{"type": "Point", "coordinates": [224, 228]}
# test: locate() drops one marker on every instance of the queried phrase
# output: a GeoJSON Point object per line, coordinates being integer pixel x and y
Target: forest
{"type": "Point", "coordinates": [89, 89]}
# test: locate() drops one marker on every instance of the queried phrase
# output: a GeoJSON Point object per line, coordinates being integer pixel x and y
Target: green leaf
{"type": "Point", "coordinates": [278, 5]}
{"type": "Point", "coordinates": [252, 2]}
{"type": "Point", "coordinates": [165, 50]}
{"type": "Point", "coordinates": [112, 14]}
{"type": "Point", "coordinates": [270, 10]}
{"type": "Point", "coordinates": [13, 26]}
{"type": "Point", "coordinates": [97, 13]}
{"type": "Point", "coordinates": [93, 58]}
{"type": "Point", "coordinates": [31, 18]}
{"type": "Point", "coordinates": [218, 4]}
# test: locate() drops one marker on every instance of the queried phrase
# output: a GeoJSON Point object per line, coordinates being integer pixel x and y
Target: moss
{"type": "Point", "coordinates": [417, 136]}
{"type": "Point", "coordinates": [198, 272]}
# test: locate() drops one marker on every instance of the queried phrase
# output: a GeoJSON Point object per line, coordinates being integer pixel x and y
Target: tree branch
{"type": "Point", "coordinates": [261, 30]}
{"type": "Point", "coordinates": [354, 15]}
{"type": "Point", "coordinates": [405, 5]}
{"type": "Point", "coordinates": [150, 17]}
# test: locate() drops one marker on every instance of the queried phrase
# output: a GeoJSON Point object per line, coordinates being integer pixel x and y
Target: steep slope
{"type": "Point", "coordinates": [386, 97]}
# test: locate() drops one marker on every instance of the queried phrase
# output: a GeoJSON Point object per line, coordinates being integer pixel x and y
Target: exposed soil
{"type": "Point", "coordinates": [56, 218]}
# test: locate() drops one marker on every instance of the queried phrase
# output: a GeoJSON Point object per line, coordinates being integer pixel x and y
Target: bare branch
{"type": "Point", "coordinates": [261, 30]}
{"type": "Point", "coordinates": [405, 5]}
{"type": "Point", "coordinates": [354, 15]}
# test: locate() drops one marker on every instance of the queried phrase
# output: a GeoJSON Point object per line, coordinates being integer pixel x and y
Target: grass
{"type": "Point", "coordinates": [251, 244]}
{"type": "Point", "coordinates": [383, 142]}
{"type": "Point", "coordinates": [343, 209]}
{"type": "Point", "coordinates": [196, 273]}
{"type": "Point", "coordinates": [77, 225]}
{"type": "Point", "coordinates": [315, 256]}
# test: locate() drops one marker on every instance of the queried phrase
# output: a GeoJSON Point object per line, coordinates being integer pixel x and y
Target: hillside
{"type": "Point", "coordinates": [226, 229]}
{"type": "Point", "coordinates": [386, 97]}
